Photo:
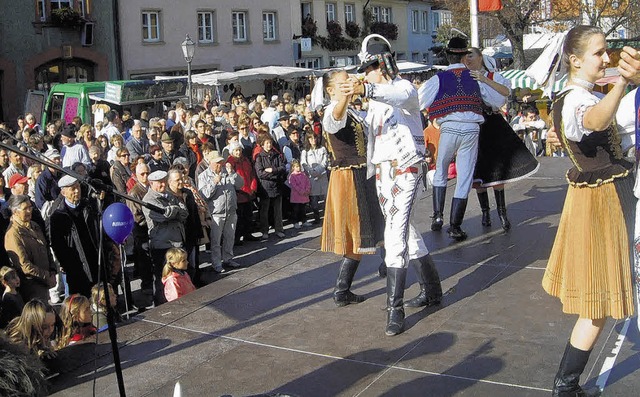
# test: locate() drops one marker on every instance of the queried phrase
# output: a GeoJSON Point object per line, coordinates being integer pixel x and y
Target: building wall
{"type": "Point", "coordinates": [26, 44]}
{"type": "Point", "coordinates": [420, 41]}
{"type": "Point", "coordinates": [141, 58]}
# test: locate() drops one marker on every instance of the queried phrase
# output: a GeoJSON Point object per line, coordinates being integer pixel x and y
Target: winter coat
{"type": "Point", "coordinates": [300, 187]}
{"type": "Point", "coordinates": [166, 229]}
{"type": "Point", "coordinates": [176, 285]}
{"type": "Point", "coordinates": [314, 162]}
{"type": "Point", "coordinates": [245, 169]}
{"type": "Point", "coordinates": [271, 183]}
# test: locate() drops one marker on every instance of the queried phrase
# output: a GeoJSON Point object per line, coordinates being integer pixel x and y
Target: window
{"type": "Point", "coordinates": [42, 13]}
{"type": "Point", "coordinates": [239, 23]}
{"type": "Point", "coordinates": [269, 28]}
{"type": "Point", "coordinates": [307, 11]}
{"type": "Point", "coordinates": [205, 27]}
{"type": "Point", "coordinates": [150, 26]}
{"type": "Point", "coordinates": [349, 13]}
{"type": "Point", "coordinates": [382, 14]}
{"type": "Point", "coordinates": [415, 57]}
{"type": "Point", "coordinates": [415, 21]}
{"type": "Point", "coordinates": [331, 12]}
{"type": "Point", "coordinates": [57, 4]}
{"type": "Point", "coordinates": [424, 21]}
{"type": "Point", "coordinates": [309, 63]}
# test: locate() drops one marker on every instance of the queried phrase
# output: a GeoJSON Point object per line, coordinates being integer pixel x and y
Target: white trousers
{"type": "Point", "coordinates": [463, 146]}
{"type": "Point", "coordinates": [396, 194]}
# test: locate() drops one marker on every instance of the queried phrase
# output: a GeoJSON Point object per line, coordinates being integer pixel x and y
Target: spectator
{"type": "Point", "coordinates": [4, 160]}
{"type": "Point", "coordinates": [279, 133]}
{"type": "Point", "coordinates": [76, 317]}
{"type": "Point", "coordinates": [120, 172]}
{"type": "Point", "coordinates": [190, 150]}
{"type": "Point", "coordinates": [87, 136]}
{"type": "Point", "coordinates": [99, 305]}
{"type": "Point", "coordinates": [111, 128]}
{"type": "Point", "coordinates": [218, 187]}
{"type": "Point", "coordinates": [16, 166]}
{"type": "Point", "coordinates": [47, 189]}
{"type": "Point", "coordinates": [33, 173]}
{"type": "Point", "coordinates": [300, 189]}
{"type": "Point", "coordinates": [292, 149]}
{"type": "Point", "coordinates": [141, 255]}
{"type": "Point", "coordinates": [101, 168]}
{"type": "Point", "coordinates": [532, 129]}
{"type": "Point", "coordinates": [12, 302]}
{"type": "Point", "coordinates": [27, 248]}
{"type": "Point", "coordinates": [117, 143]}
{"type": "Point", "coordinates": [176, 280]}
{"type": "Point", "coordinates": [271, 174]}
{"type": "Point", "coordinates": [168, 154]}
{"type": "Point", "coordinates": [157, 163]}
{"type": "Point", "coordinates": [34, 329]}
{"type": "Point", "coordinates": [246, 195]}
{"type": "Point", "coordinates": [314, 160]}
{"type": "Point", "coordinates": [166, 229]}
{"type": "Point", "coordinates": [138, 145]}
{"type": "Point", "coordinates": [72, 152]}
{"type": "Point", "coordinates": [103, 143]}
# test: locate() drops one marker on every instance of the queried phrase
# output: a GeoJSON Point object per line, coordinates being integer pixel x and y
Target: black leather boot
{"type": "Point", "coordinates": [501, 204]}
{"type": "Point", "coordinates": [429, 280]}
{"type": "Point", "coordinates": [566, 383]}
{"type": "Point", "coordinates": [483, 199]}
{"type": "Point", "coordinates": [458, 207]}
{"type": "Point", "coordinates": [341, 294]}
{"type": "Point", "coordinates": [439, 194]}
{"type": "Point", "coordinates": [396, 279]}
{"type": "Point", "coordinates": [382, 269]}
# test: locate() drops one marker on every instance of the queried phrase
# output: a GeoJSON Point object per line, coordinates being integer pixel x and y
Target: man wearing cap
{"type": "Point", "coordinates": [281, 131]}
{"type": "Point", "coordinates": [454, 100]}
{"type": "Point", "coordinates": [73, 152]}
{"type": "Point", "coordinates": [47, 189]}
{"type": "Point", "coordinates": [19, 185]}
{"type": "Point", "coordinates": [218, 186]}
{"type": "Point", "coordinates": [396, 151]}
{"type": "Point", "coordinates": [74, 232]}
{"type": "Point", "coordinates": [168, 152]}
{"type": "Point", "coordinates": [166, 229]}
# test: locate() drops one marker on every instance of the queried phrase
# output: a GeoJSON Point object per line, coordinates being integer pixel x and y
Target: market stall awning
{"type": "Point", "coordinates": [272, 72]}
{"type": "Point", "coordinates": [519, 79]}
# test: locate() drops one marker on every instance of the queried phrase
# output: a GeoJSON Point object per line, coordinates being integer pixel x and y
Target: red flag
{"type": "Point", "coordinates": [489, 5]}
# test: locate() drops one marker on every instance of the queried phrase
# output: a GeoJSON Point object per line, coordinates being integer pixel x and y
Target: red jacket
{"type": "Point", "coordinates": [177, 285]}
{"type": "Point", "coordinates": [245, 169]}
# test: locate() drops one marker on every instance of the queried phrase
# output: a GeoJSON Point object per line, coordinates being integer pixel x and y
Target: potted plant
{"type": "Point", "coordinates": [66, 18]}
{"type": "Point", "coordinates": [386, 29]}
{"type": "Point", "coordinates": [352, 29]}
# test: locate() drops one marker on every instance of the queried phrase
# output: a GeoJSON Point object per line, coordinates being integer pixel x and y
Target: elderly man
{"type": "Point", "coordinates": [74, 232]}
{"type": "Point", "coordinates": [141, 255]}
{"type": "Point", "coordinates": [47, 189]}
{"type": "Point", "coordinates": [166, 229]}
{"type": "Point", "coordinates": [218, 186]}
{"type": "Point", "coordinates": [138, 145]}
{"type": "Point", "coordinates": [73, 152]}
{"type": "Point", "coordinates": [280, 133]}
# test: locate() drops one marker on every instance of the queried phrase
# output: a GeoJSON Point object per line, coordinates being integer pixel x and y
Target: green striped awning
{"type": "Point", "coordinates": [520, 80]}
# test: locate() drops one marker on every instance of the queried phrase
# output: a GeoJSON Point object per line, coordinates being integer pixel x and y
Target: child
{"type": "Point", "coordinates": [35, 328]}
{"type": "Point", "coordinates": [177, 282]}
{"type": "Point", "coordinates": [300, 190]}
{"type": "Point", "coordinates": [76, 318]}
{"type": "Point", "coordinates": [99, 305]}
{"type": "Point", "coordinates": [12, 302]}
{"type": "Point", "coordinates": [315, 160]}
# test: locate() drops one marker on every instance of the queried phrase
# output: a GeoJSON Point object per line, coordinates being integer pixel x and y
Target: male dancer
{"type": "Point", "coordinates": [454, 101]}
{"type": "Point", "coordinates": [396, 151]}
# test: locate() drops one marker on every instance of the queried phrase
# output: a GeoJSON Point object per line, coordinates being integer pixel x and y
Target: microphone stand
{"type": "Point", "coordinates": [97, 186]}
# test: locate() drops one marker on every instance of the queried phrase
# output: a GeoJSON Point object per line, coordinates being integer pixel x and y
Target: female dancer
{"type": "Point", "coordinates": [353, 223]}
{"type": "Point", "coordinates": [502, 156]}
{"type": "Point", "coordinates": [589, 267]}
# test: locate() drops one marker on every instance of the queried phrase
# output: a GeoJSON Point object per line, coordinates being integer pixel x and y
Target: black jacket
{"type": "Point", "coordinates": [271, 183]}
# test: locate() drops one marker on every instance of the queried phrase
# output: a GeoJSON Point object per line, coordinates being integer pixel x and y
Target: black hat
{"type": "Point", "coordinates": [283, 116]}
{"type": "Point", "coordinates": [373, 48]}
{"type": "Point", "coordinates": [457, 45]}
{"type": "Point", "coordinates": [69, 131]}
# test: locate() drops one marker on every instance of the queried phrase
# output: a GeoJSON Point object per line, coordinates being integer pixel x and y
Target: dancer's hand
{"type": "Point", "coordinates": [629, 65]}
{"type": "Point", "coordinates": [552, 138]}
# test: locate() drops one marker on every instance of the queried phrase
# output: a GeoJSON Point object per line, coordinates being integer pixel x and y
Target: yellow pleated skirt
{"type": "Point", "coordinates": [353, 221]}
{"type": "Point", "coordinates": [589, 268]}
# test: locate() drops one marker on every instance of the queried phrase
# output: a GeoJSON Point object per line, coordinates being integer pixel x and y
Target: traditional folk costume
{"type": "Point", "coordinates": [590, 264]}
{"type": "Point", "coordinates": [454, 100]}
{"type": "Point", "coordinates": [396, 151]}
{"type": "Point", "coordinates": [353, 222]}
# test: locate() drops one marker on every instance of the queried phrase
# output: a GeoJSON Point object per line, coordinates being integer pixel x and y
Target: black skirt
{"type": "Point", "coordinates": [502, 155]}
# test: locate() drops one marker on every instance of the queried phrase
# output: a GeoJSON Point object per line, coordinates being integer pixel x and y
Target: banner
{"type": "Point", "coordinates": [489, 5]}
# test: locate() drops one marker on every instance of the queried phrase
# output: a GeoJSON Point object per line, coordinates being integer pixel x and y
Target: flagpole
{"type": "Point", "coordinates": [473, 10]}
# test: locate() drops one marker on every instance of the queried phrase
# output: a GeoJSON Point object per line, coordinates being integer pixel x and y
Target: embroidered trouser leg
{"type": "Point", "coordinates": [396, 194]}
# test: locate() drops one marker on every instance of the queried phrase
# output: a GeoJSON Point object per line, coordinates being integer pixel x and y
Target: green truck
{"type": "Point", "coordinates": [90, 101]}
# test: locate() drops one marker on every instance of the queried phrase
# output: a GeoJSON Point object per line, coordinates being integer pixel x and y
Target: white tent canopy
{"type": "Point", "coordinates": [217, 77]}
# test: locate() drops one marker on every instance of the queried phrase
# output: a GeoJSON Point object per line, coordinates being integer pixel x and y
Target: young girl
{"type": "Point", "coordinates": [35, 328]}
{"type": "Point", "coordinates": [314, 160]}
{"type": "Point", "coordinates": [589, 268]}
{"type": "Point", "coordinates": [12, 302]}
{"type": "Point", "coordinates": [300, 190]}
{"type": "Point", "coordinates": [76, 318]}
{"type": "Point", "coordinates": [177, 282]}
{"type": "Point", "coordinates": [99, 305]}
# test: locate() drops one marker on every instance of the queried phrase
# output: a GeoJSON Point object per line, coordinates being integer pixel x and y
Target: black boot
{"type": "Point", "coordinates": [566, 383]}
{"type": "Point", "coordinates": [483, 199]}
{"type": "Point", "coordinates": [316, 217]}
{"type": "Point", "coordinates": [458, 207]}
{"type": "Point", "coordinates": [501, 204]}
{"type": "Point", "coordinates": [341, 294]}
{"type": "Point", "coordinates": [396, 279]}
{"type": "Point", "coordinates": [429, 280]}
{"type": "Point", "coordinates": [439, 194]}
{"type": "Point", "coordinates": [382, 269]}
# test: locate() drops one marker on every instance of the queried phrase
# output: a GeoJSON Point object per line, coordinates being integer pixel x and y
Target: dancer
{"type": "Point", "coordinates": [396, 151]}
{"type": "Point", "coordinates": [353, 223]}
{"type": "Point", "coordinates": [454, 101]}
{"type": "Point", "coordinates": [502, 156]}
{"type": "Point", "coordinates": [589, 267]}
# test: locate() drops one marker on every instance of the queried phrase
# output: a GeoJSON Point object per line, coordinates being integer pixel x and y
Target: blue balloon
{"type": "Point", "coordinates": [118, 222]}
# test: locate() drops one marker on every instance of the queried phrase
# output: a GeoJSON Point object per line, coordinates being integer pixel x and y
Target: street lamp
{"type": "Point", "coordinates": [188, 48]}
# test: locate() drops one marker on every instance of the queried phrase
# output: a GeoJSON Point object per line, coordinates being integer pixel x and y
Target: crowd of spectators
{"type": "Point", "coordinates": [222, 174]}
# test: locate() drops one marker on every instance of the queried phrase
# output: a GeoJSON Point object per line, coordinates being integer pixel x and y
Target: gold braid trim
{"type": "Point", "coordinates": [599, 182]}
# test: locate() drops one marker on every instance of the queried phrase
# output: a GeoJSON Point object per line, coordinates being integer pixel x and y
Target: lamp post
{"type": "Point", "coordinates": [188, 48]}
